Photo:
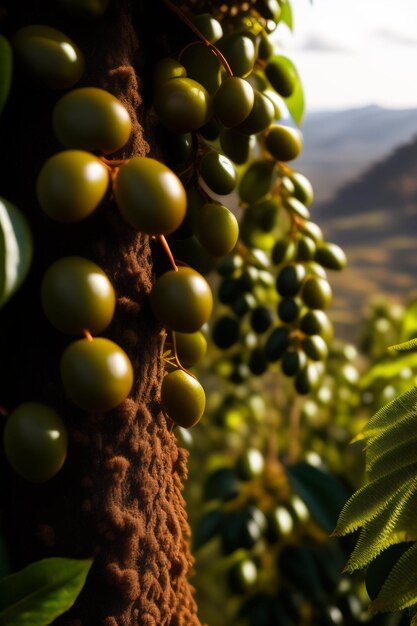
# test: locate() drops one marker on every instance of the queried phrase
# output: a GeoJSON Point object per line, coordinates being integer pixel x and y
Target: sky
{"type": "Point", "coordinates": [353, 53]}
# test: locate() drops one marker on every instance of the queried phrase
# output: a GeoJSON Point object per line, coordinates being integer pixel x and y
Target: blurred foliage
{"type": "Point", "coordinates": [270, 472]}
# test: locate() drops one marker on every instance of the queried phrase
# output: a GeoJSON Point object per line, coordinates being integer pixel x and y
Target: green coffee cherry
{"type": "Point", "coordinates": [317, 323]}
{"type": "Point", "coordinates": [233, 101]}
{"type": "Point", "coordinates": [258, 363]}
{"type": "Point", "coordinates": [315, 347]}
{"type": "Point", "coordinates": [71, 185]}
{"type": "Point", "coordinates": [277, 343]}
{"type": "Point", "coordinates": [306, 248]}
{"type": "Point", "coordinates": [87, 9]}
{"type": "Point", "coordinates": [191, 348]}
{"type": "Point", "coordinates": [290, 279]}
{"type": "Point", "coordinates": [281, 76]}
{"type": "Point", "coordinates": [49, 56]}
{"type": "Point", "coordinates": [260, 117]}
{"type": "Point", "coordinates": [289, 310]}
{"type": "Point", "coordinates": [242, 575]}
{"type": "Point", "coordinates": [150, 196]}
{"type": "Point", "coordinates": [293, 361]}
{"type": "Point", "coordinates": [269, 9]}
{"type": "Point", "coordinates": [257, 181]}
{"type": "Point", "coordinates": [182, 300]}
{"type": "Point", "coordinates": [240, 53]}
{"type": "Point", "coordinates": [250, 464]}
{"type": "Point", "coordinates": [35, 441]}
{"type": "Point", "coordinates": [217, 229]}
{"type": "Point", "coordinates": [261, 319]}
{"type": "Point", "coordinates": [218, 172]}
{"type": "Point", "coordinates": [295, 206]}
{"type": "Point", "coordinates": [91, 119]}
{"type": "Point", "coordinates": [226, 332]}
{"type": "Point", "coordinates": [283, 251]}
{"type": "Point", "coordinates": [182, 398]}
{"type": "Point", "coordinates": [166, 69]}
{"type": "Point", "coordinates": [331, 256]}
{"type": "Point", "coordinates": [208, 26]}
{"type": "Point", "coordinates": [266, 46]}
{"type": "Point", "coordinates": [235, 145]}
{"type": "Point", "coordinates": [307, 379]}
{"type": "Point", "coordinates": [77, 296]}
{"type": "Point", "coordinates": [202, 66]}
{"type": "Point", "coordinates": [303, 190]}
{"type": "Point", "coordinates": [283, 142]}
{"type": "Point", "coordinates": [182, 104]}
{"type": "Point", "coordinates": [97, 375]}
{"type": "Point", "coordinates": [316, 293]}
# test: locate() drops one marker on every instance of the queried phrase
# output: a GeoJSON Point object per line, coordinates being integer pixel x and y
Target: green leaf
{"type": "Point", "coordinates": [286, 14]}
{"type": "Point", "coordinates": [372, 499]}
{"type": "Point", "coordinates": [208, 527]}
{"type": "Point", "coordinates": [388, 369]}
{"type": "Point", "coordinates": [42, 591]}
{"type": "Point", "coordinates": [322, 492]}
{"type": "Point", "coordinates": [295, 102]}
{"type": "Point", "coordinates": [6, 70]}
{"type": "Point", "coordinates": [16, 249]}
{"type": "Point", "coordinates": [393, 452]}
{"type": "Point", "coordinates": [395, 525]}
{"type": "Point", "coordinates": [407, 346]}
{"type": "Point", "coordinates": [393, 411]}
{"type": "Point", "coordinates": [400, 588]}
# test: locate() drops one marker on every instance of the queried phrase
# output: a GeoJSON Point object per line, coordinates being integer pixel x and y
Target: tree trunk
{"type": "Point", "coordinates": [118, 496]}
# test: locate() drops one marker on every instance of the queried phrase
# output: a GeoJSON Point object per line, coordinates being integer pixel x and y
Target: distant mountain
{"type": "Point", "coordinates": [338, 145]}
{"type": "Point", "coordinates": [375, 221]}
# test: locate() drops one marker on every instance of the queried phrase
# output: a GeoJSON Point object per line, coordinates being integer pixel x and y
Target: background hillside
{"type": "Point", "coordinates": [372, 216]}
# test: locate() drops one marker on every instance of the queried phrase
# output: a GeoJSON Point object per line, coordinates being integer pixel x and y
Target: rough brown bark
{"type": "Point", "coordinates": [119, 494]}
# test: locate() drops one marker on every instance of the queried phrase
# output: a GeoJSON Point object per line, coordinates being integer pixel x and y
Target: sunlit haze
{"type": "Point", "coordinates": [354, 53]}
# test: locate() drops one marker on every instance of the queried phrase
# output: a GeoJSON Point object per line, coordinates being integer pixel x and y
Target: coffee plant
{"type": "Point", "coordinates": [149, 172]}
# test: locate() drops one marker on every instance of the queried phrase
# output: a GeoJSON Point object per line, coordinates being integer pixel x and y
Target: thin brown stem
{"type": "Point", "coordinates": [168, 252]}
{"type": "Point", "coordinates": [88, 335]}
{"type": "Point", "coordinates": [199, 34]}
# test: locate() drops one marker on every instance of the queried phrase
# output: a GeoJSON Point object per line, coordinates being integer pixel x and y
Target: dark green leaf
{"type": "Point", "coordinates": [15, 249]}
{"type": "Point", "coordinates": [41, 592]}
{"type": "Point", "coordinates": [400, 588]}
{"type": "Point", "coordinates": [322, 492]}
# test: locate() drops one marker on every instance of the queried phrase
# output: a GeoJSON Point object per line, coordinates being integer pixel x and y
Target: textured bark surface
{"type": "Point", "coordinates": [118, 496]}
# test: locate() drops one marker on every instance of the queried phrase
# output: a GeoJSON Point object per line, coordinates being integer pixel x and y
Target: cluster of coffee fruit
{"type": "Point", "coordinates": [219, 109]}
{"type": "Point", "coordinates": [276, 555]}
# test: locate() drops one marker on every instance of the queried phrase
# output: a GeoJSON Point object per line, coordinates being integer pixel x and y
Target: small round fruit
{"type": "Point", "coordinates": [92, 119]}
{"type": "Point", "coordinates": [97, 375]}
{"type": "Point", "coordinates": [331, 256]}
{"type": "Point", "coordinates": [290, 279]}
{"type": "Point", "coordinates": [260, 117]}
{"type": "Point", "coordinates": [77, 296]}
{"type": "Point", "coordinates": [283, 142]}
{"type": "Point", "coordinates": [277, 343]}
{"type": "Point", "coordinates": [167, 69]}
{"type": "Point", "coordinates": [233, 101]}
{"type": "Point", "coordinates": [250, 464]}
{"type": "Point", "coordinates": [202, 66]}
{"type": "Point", "coordinates": [303, 189]}
{"type": "Point", "coordinates": [191, 348]}
{"type": "Point", "coordinates": [235, 145]}
{"type": "Point", "coordinates": [217, 229]}
{"type": "Point", "coordinates": [293, 361]}
{"type": "Point", "coordinates": [182, 300]}
{"type": "Point", "coordinates": [289, 310]}
{"type": "Point", "coordinates": [316, 293]}
{"type": "Point", "coordinates": [281, 76]}
{"type": "Point", "coordinates": [182, 398]}
{"type": "Point", "coordinates": [261, 319]}
{"type": "Point", "coordinates": [86, 9]}
{"type": "Point", "coordinates": [226, 332]}
{"type": "Point", "coordinates": [307, 379]}
{"type": "Point", "coordinates": [283, 251]}
{"type": "Point", "coordinates": [182, 104]}
{"type": "Point", "coordinates": [257, 181]}
{"type": "Point", "coordinates": [315, 347]}
{"type": "Point", "coordinates": [208, 26]}
{"type": "Point", "coordinates": [49, 56]}
{"type": "Point", "coordinates": [317, 323]}
{"type": "Point", "coordinates": [240, 53]}
{"type": "Point", "coordinates": [35, 441]}
{"type": "Point", "coordinates": [150, 196]}
{"type": "Point", "coordinates": [242, 575]}
{"type": "Point", "coordinates": [218, 172]}
{"type": "Point", "coordinates": [71, 185]}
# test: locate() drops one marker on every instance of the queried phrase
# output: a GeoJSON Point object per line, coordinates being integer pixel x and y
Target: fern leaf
{"type": "Point", "coordinates": [397, 450]}
{"type": "Point", "coordinates": [406, 346]}
{"type": "Point", "coordinates": [400, 588]}
{"type": "Point", "coordinates": [372, 499]}
{"type": "Point", "coordinates": [387, 529]}
{"type": "Point", "coordinates": [394, 410]}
